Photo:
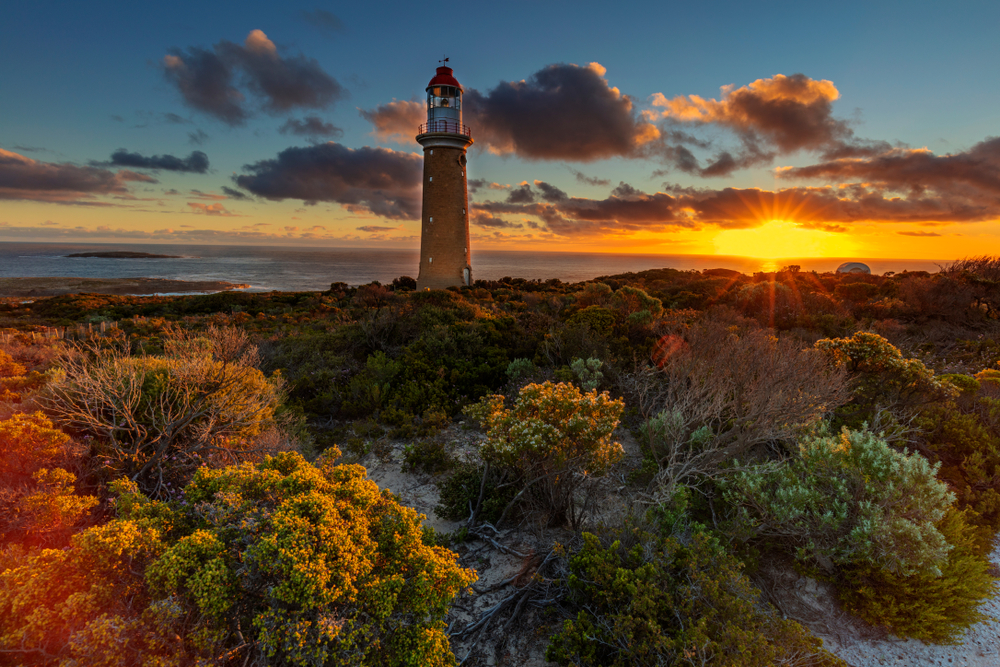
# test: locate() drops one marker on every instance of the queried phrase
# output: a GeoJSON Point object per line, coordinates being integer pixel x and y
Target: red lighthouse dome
{"type": "Point", "coordinates": [445, 77]}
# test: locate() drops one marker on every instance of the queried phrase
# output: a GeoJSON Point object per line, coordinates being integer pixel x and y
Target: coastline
{"type": "Point", "coordinates": [58, 286]}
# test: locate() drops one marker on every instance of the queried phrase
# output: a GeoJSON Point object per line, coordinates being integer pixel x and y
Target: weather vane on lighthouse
{"type": "Point", "coordinates": [445, 260]}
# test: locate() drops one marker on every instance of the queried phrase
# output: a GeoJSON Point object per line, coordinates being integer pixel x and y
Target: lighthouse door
{"type": "Point", "coordinates": [465, 275]}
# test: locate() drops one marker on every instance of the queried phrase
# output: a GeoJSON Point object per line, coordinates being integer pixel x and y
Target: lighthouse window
{"type": "Point", "coordinates": [431, 219]}
{"type": "Point", "coordinates": [431, 178]}
{"type": "Point", "coordinates": [432, 151]}
{"type": "Point", "coordinates": [430, 260]}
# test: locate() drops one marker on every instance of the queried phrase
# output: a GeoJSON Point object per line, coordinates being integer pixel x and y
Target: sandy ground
{"type": "Point", "coordinates": [41, 287]}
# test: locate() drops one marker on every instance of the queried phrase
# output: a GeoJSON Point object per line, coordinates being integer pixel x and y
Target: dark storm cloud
{"type": "Point", "coordinates": [376, 180]}
{"type": "Point", "coordinates": [196, 162]}
{"type": "Point", "coordinates": [310, 126]}
{"type": "Point", "coordinates": [207, 79]}
{"type": "Point", "coordinates": [561, 112]}
{"type": "Point", "coordinates": [323, 20]}
{"type": "Point", "coordinates": [25, 178]}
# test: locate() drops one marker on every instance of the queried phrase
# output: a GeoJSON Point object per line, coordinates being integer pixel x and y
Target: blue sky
{"type": "Point", "coordinates": [80, 81]}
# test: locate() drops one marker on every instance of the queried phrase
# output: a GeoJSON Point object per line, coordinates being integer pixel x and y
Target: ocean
{"type": "Point", "coordinates": [307, 269]}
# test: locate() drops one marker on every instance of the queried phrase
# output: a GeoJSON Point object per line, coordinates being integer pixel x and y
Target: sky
{"type": "Point", "coordinates": [769, 129]}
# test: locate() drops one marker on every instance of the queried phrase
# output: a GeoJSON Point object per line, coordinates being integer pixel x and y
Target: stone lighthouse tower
{"type": "Point", "coordinates": [444, 230]}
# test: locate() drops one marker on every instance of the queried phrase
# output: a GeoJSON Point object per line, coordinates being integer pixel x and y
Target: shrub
{"type": "Point", "coordinates": [848, 500]}
{"type": "Point", "coordinates": [717, 393]}
{"type": "Point", "coordinates": [30, 442]}
{"type": "Point", "coordinates": [279, 562]}
{"type": "Point", "coordinates": [460, 492]}
{"type": "Point", "coordinates": [588, 373]}
{"type": "Point", "coordinates": [554, 436]}
{"type": "Point", "coordinates": [882, 377]}
{"type": "Point", "coordinates": [670, 601]}
{"type": "Point", "coordinates": [927, 607]}
{"type": "Point", "coordinates": [158, 419]}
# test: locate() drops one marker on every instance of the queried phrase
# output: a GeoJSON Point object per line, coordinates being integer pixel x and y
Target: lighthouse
{"type": "Point", "coordinates": [444, 227]}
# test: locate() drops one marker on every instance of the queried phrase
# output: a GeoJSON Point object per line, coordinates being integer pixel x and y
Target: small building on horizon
{"type": "Point", "coordinates": [854, 267]}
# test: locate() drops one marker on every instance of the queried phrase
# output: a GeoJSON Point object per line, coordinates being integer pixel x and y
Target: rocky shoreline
{"type": "Point", "coordinates": [42, 287]}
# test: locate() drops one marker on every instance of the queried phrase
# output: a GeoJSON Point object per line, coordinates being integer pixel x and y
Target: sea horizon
{"type": "Point", "coordinates": [299, 268]}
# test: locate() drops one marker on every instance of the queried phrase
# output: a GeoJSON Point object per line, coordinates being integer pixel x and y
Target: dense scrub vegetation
{"type": "Point", "coordinates": [184, 487]}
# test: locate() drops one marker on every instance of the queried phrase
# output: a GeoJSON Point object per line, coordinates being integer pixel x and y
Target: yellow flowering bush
{"type": "Point", "coordinates": [280, 562]}
{"type": "Point", "coordinates": [555, 436]}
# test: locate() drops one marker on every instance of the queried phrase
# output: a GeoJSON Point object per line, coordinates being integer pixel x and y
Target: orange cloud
{"type": "Point", "coordinates": [211, 209]}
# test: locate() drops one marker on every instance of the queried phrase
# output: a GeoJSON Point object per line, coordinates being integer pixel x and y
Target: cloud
{"type": "Point", "coordinates": [376, 180]}
{"type": "Point", "coordinates": [376, 229]}
{"type": "Point", "coordinates": [198, 194]}
{"type": "Point", "coordinates": [211, 209]}
{"type": "Point", "coordinates": [487, 221]}
{"type": "Point", "coordinates": [968, 178]}
{"type": "Point", "coordinates": [522, 194]}
{"type": "Point", "coordinates": [232, 193]}
{"type": "Point", "coordinates": [628, 210]}
{"type": "Point", "coordinates": [196, 162]}
{"type": "Point", "coordinates": [24, 178]}
{"type": "Point", "coordinates": [323, 20]}
{"type": "Point", "coordinates": [310, 126]}
{"type": "Point", "coordinates": [918, 233]}
{"type": "Point", "coordinates": [207, 79]}
{"type": "Point", "coordinates": [588, 180]}
{"type": "Point", "coordinates": [197, 138]}
{"type": "Point", "coordinates": [175, 119]}
{"type": "Point", "coordinates": [779, 115]}
{"type": "Point", "coordinates": [397, 120]}
{"type": "Point", "coordinates": [561, 112]}
{"type": "Point", "coordinates": [50, 223]}
{"type": "Point", "coordinates": [791, 112]}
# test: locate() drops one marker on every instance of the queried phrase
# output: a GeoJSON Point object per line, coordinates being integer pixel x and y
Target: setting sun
{"type": "Point", "coordinates": [780, 238]}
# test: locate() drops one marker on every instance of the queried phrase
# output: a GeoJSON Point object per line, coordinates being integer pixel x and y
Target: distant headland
{"type": "Point", "coordinates": [40, 287]}
{"type": "Point", "coordinates": [123, 254]}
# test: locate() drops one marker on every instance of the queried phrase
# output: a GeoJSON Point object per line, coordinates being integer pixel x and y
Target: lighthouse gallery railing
{"type": "Point", "coordinates": [444, 126]}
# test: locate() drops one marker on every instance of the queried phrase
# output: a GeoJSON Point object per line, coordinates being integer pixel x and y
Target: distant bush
{"type": "Point", "coordinates": [882, 378]}
{"type": "Point", "coordinates": [848, 500]}
{"type": "Point", "coordinates": [672, 601]}
{"type": "Point", "coordinates": [275, 563]}
{"type": "Point", "coordinates": [554, 436]}
{"type": "Point", "coordinates": [460, 492]}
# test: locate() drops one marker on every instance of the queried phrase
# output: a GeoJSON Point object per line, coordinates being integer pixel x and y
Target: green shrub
{"type": "Point", "coordinates": [927, 607]}
{"type": "Point", "coordinates": [669, 601]}
{"type": "Point", "coordinates": [430, 456]}
{"type": "Point", "coordinates": [848, 500]}
{"type": "Point", "coordinates": [460, 492]}
{"type": "Point", "coordinates": [554, 436]}
{"type": "Point", "coordinates": [588, 373]}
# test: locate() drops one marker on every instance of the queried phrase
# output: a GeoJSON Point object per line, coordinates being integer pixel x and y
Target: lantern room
{"type": "Point", "coordinates": [444, 102]}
